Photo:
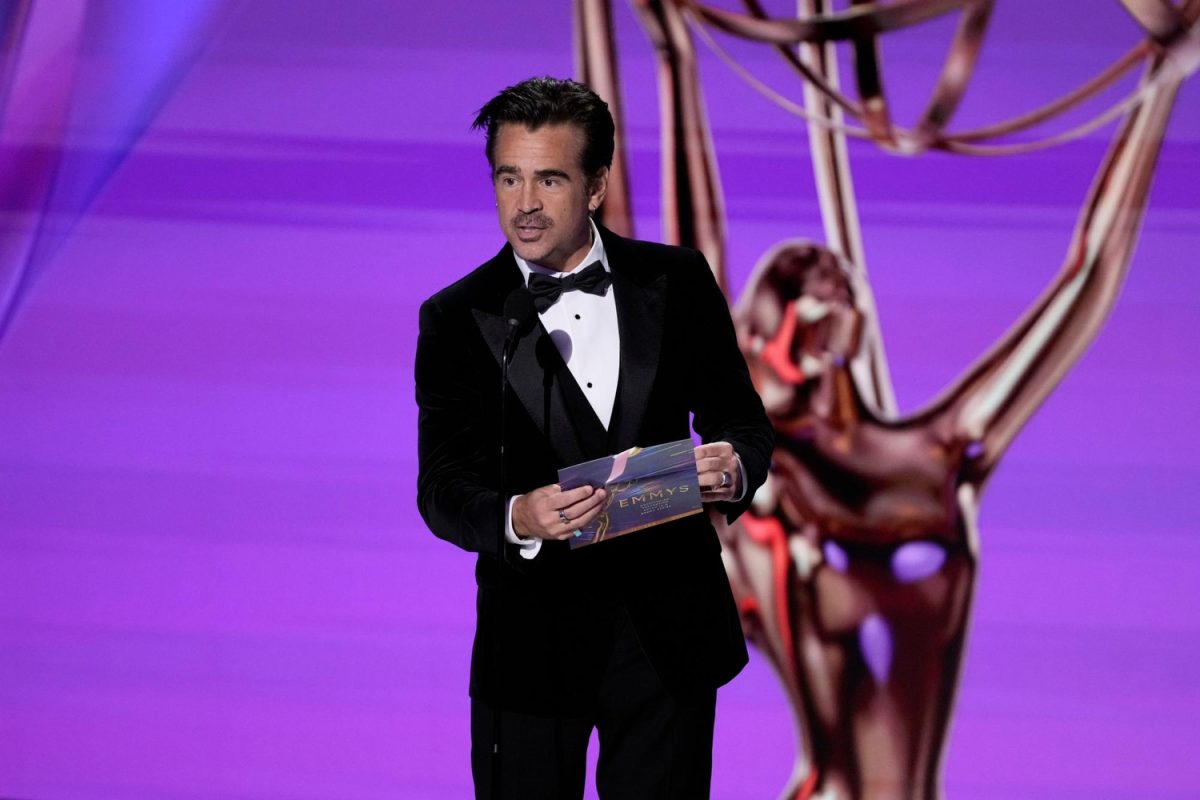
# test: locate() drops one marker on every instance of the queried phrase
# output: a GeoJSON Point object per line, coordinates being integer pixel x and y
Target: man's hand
{"type": "Point", "coordinates": [720, 472]}
{"type": "Point", "coordinates": [551, 513]}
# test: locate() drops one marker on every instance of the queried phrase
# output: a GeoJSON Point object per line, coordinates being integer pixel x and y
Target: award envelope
{"type": "Point", "coordinates": [646, 486]}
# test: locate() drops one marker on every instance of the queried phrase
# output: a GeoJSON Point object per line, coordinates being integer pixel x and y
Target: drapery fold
{"type": "Point", "coordinates": [80, 82]}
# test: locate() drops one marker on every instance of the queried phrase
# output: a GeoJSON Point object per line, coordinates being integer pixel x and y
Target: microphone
{"type": "Point", "coordinates": [520, 315]}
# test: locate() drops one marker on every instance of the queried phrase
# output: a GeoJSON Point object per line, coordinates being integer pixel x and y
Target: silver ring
{"type": "Point", "coordinates": [725, 480]}
{"type": "Point", "coordinates": [563, 516]}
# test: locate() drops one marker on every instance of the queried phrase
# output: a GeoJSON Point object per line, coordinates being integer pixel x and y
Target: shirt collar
{"type": "Point", "coordinates": [595, 254]}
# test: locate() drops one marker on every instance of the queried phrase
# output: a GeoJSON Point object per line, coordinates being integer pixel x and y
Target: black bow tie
{"type": "Point", "coordinates": [593, 279]}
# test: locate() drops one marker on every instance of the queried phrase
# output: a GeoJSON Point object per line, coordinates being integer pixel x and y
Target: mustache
{"type": "Point", "coordinates": [532, 221]}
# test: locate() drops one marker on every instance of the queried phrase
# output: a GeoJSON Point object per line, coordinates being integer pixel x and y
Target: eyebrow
{"type": "Point", "coordinates": [508, 169]}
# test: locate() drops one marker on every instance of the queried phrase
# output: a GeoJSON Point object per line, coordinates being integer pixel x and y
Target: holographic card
{"type": "Point", "coordinates": [646, 486]}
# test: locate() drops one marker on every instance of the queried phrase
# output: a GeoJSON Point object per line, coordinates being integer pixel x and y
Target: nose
{"type": "Point", "coordinates": [529, 200]}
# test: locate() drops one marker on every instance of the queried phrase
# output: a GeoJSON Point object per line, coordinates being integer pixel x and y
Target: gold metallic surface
{"type": "Point", "coordinates": [839, 209]}
{"type": "Point", "coordinates": [596, 65]}
{"type": "Point", "coordinates": [693, 206]}
{"type": "Point", "coordinates": [818, 563]}
{"type": "Point", "coordinates": [1165, 24]}
{"type": "Point", "coordinates": [855, 568]}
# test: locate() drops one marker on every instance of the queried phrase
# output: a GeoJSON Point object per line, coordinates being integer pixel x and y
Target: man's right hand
{"type": "Point", "coordinates": [537, 514]}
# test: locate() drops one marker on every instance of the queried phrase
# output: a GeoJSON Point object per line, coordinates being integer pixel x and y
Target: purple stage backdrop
{"type": "Point", "coordinates": [214, 582]}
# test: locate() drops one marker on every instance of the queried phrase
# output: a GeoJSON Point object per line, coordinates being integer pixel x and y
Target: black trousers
{"type": "Point", "coordinates": [653, 745]}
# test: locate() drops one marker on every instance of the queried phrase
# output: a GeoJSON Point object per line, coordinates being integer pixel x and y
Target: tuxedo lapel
{"type": "Point", "coordinates": [640, 310]}
{"type": "Point", "coordinates": [533, 374]}
{"type": "Point", "coordinates": [536, 366]}
{"type": "Point", "coordinates": [539, 377]}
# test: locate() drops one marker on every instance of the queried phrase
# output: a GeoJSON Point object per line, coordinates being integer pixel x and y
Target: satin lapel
{"type": "Point", "coordinates": [532, 374]}
{"type": "Point", "coordinates": [639, 319]}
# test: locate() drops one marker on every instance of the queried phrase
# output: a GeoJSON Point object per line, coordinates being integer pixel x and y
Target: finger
{"type": "Point", "coordinates": [582, 513]}
{"type": "Point", "coordinates": [570, 497]}
{"type": "Point", "coordinates": [556, 519]}
{"type": "Point", "coordinates": [590, 516]}
{"type": "Point", "coordinates": [715, 495]}
{"type": "Point", "coordinates": [714, 449]}
{"type": "Point", "coordinates": [579, 521]}
{"type": "Point", "coordinates": [554, 523]}
{"type": "Point", "coordinates": [577, 510]}
{"type": "Point", "coordinates": [715, 478]}
{"type": "Point", "coordinates": [577, 515]}
{"type": "Point", "coordinates": [714, 464]}
{"type": "Point", "coordinates": [582, 522]}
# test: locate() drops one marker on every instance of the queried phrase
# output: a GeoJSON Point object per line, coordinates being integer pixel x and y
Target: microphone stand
{"type": "Point", "coordinates": [518, 312]}
{"type": "Point", "coordinates": [509, 345]}
{"type": "Point", "coordinates": [501, 539]}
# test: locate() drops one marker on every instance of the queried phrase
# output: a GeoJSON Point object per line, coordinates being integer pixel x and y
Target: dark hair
{"type": "Point", "coordinates": [547, 101]}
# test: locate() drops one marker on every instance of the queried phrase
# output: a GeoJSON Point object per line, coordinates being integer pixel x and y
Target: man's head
{"type": "Point", "coordinates": [552, 101]}
{"type": "Point", "coordinates": [549, 144]}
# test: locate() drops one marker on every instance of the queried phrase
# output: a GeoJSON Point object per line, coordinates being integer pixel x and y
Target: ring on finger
{"type": "Point", "coordinates": [562, 515]}
{"type": "Point", "coordinates": [725, 480]}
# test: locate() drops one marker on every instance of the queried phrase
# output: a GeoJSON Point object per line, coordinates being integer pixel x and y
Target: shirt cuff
{"type": "Point", "coordinates": [529, 547]}
{"type": "Point", "coordinates": [742, 475]}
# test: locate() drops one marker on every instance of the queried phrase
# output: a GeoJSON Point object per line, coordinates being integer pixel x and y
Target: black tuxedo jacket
{"type": "Point", "coordinates": [545, 624]}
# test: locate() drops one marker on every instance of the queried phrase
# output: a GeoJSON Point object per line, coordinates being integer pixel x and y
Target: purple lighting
{"type": "Point", "coordinates": [875, 641]}
{"type": "Point", "coordinates": [88, 79]}
{"type": "Point", "coordinates": [835, 556]}
{"type": "Point", "coordinates": [914, 561]}
{"type": "Point", "coordinates": [214, 582]}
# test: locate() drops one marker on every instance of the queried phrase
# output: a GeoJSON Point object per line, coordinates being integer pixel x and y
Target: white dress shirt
{"type": "Point", "coordinates": [584, 329]}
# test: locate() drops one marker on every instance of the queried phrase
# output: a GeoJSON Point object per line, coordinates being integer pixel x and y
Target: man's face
{"type": "Point", "coordinates": [542, 195]}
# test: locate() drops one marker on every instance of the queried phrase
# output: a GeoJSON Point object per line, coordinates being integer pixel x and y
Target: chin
{"type": "Point", "coordinates": [536, 255]}
{"type": "Point", "coordinates": [531, 258]}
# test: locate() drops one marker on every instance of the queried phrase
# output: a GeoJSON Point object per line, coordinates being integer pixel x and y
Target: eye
{"type": "Point", "coordinates": [550, 183]}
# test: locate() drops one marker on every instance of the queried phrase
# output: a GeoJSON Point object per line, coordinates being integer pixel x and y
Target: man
{"type": "Point", "coordinates": [630, 636]}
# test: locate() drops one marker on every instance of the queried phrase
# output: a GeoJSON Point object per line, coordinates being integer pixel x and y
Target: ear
{"type": "Point", "coordinates": [597, 188]}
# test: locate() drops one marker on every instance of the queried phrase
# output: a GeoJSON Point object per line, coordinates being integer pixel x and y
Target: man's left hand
{"type": "Point", "coordinates": [720, 472]}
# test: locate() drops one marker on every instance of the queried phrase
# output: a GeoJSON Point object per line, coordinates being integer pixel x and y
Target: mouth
{"type": "Point", "coordinates": [528, 233]}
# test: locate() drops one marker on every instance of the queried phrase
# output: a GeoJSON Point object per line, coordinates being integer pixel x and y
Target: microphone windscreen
{"type": "Point", "coordinates": [519, 310]}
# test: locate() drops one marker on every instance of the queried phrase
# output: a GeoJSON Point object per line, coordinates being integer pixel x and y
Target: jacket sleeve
{"type": "Point", "coordinates": [455, 491]}
{"type": "Point", "coordinates": [725, 405]}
